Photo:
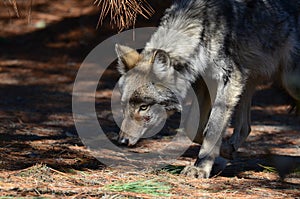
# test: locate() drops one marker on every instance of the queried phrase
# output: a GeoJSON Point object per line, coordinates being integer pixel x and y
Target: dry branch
{"type": "Point", "coordinates": [123, 13]}
{"type": "Point", "coordinates": [13, 3]}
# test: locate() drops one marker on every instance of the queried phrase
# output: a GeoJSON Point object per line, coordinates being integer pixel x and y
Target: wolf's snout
{"type": "Point", "coordinates": [123, 141]}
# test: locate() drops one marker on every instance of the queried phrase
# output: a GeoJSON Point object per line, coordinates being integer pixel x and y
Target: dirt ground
{"type": "Point", "coordinates": [41, 155]}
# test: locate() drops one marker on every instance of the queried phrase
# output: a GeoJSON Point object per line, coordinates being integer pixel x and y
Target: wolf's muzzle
{"type": "Point", "coordinates": [123, 141]}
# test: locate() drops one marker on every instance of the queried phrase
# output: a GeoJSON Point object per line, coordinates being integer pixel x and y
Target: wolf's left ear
{"type": "Point", "coordinates": [127, 58]}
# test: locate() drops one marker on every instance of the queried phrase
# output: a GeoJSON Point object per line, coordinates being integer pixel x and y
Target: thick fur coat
{"type": "Point", "coordinates": [237, 43]}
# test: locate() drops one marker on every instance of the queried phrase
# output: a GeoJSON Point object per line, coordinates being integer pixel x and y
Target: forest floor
{"type": "Point", "coordinates": [41, 155]}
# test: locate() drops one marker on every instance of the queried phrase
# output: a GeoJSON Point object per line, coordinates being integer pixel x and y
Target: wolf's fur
{"type": "Point", "coordinates": [238, 43]}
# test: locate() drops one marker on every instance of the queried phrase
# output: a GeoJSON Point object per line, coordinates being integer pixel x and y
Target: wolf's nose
{"type": "Point", "coordinates": [124, 141]}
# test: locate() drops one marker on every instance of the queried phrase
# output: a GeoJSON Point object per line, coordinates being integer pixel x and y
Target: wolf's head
{"type": "Point", "coordinates": [147, 94]}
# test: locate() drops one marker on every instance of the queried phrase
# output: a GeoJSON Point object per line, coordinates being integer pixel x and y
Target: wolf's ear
{"type": "Point", "coordinates": [161, 62]}
{"type": "Point", "coordinates": [127, 58]}
{"type": "Point", "coordinates": [162, 57]}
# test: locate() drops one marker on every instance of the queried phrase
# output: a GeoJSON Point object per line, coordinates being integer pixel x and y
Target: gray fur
{"type": "Point", "coordinates": [238, 43]}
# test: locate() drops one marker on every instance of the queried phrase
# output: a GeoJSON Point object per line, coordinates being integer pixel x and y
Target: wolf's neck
{"type": "Point", "coordinates": [179, 35]}
{"type": "Point", "coordinates": [178, 42]}
{"type": "Point", "coordinates": [180, 38]}
{"type": "Point", "coordinates": [182, 45]}
{"type": "Point", "coordinates": [179, 31]}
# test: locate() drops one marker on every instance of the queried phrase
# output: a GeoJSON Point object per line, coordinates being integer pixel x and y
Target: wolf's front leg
{"type": "Point", "coordinates": [226, 99]}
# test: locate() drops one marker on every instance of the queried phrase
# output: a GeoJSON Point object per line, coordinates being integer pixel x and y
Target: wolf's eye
{"type": "Point", "coordinates": [143, 107]}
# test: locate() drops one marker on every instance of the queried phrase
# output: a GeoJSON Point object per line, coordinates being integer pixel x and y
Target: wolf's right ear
{"type": "Point", "coordinates": [127, 58]}
{"type": "Point", "coordinates": [162, 64]}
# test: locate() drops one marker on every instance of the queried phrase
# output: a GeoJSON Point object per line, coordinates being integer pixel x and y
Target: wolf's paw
{"type": "Point", "coordinates": [195, 172]}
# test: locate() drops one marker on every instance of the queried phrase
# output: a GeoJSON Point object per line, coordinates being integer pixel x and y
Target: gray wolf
{"type": "Point", "coordinates": [237, 43]}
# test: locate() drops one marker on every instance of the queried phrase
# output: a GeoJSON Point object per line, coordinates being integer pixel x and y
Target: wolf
{"type": "Point", "coordinates": [237, 43]}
